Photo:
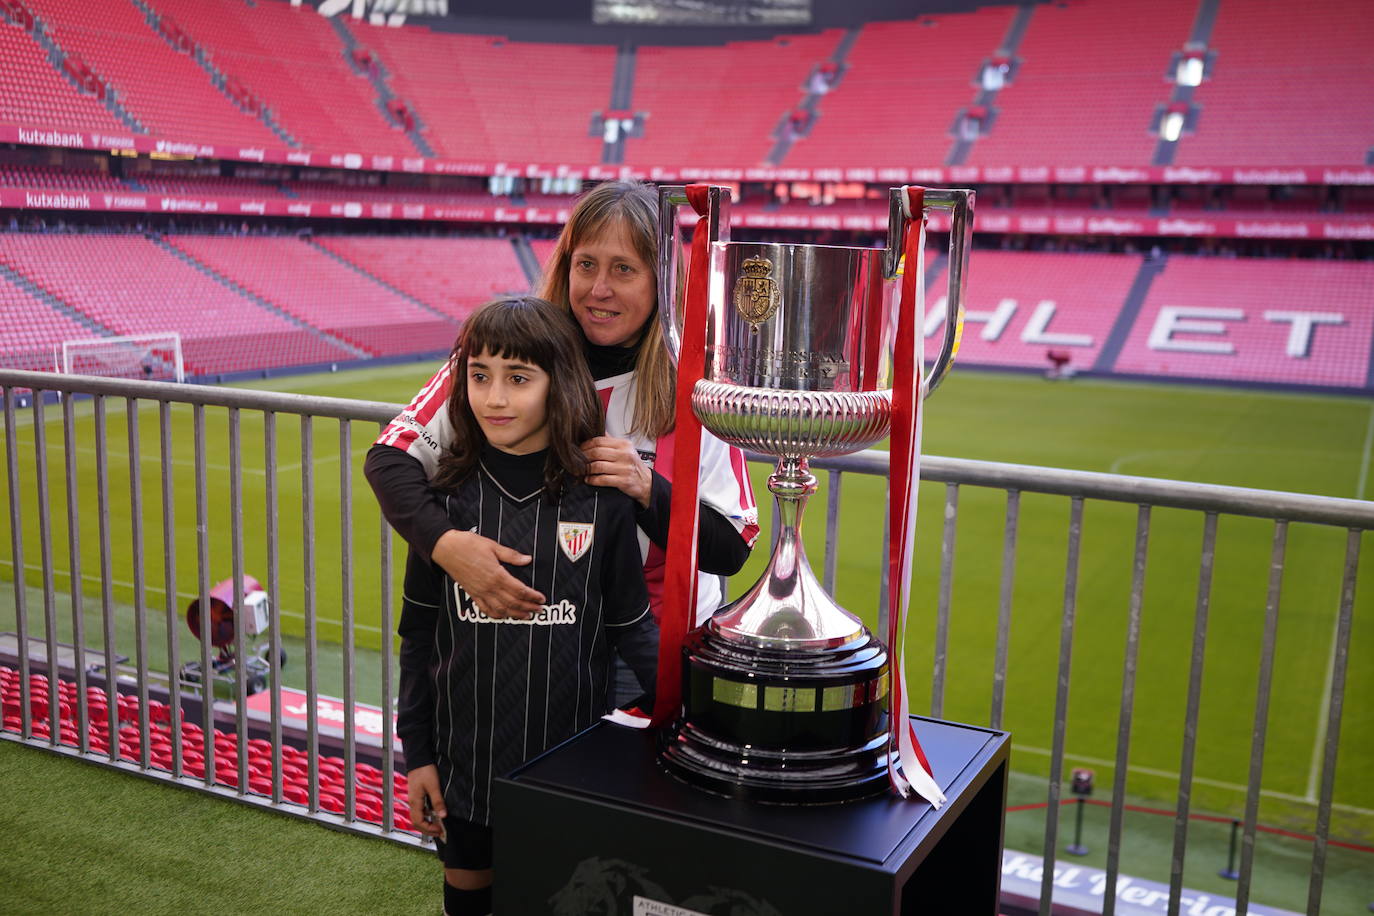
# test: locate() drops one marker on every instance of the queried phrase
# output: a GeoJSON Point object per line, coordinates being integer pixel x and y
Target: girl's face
{"type": "Point", "coordinates": [509, 398]}
{"type": "Point", "coordinates": [611, 290]}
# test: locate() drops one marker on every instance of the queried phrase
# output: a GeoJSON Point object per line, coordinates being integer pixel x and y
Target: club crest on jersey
{"type": "Point", "coordinates": [575, 538]}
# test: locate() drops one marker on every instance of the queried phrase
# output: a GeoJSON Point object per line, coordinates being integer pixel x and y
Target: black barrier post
{"type": "Point", "coordinates": [1082, 786]}
{"type": "Point", "coordinates": [1229, 872]}
{"type": "Point", "coordinates": [1077, 848]}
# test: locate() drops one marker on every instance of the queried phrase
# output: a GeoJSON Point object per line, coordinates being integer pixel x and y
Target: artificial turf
{"type": "Point", "coordinates": [81, 839]}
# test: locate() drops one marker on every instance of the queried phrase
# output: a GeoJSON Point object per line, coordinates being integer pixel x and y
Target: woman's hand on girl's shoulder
{"type": "Point", "coordinates": [616, 463]}
{"type": "Point", "coordinates": [474, 562]}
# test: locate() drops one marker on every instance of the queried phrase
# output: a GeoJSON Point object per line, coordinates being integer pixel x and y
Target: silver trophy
{"type": "Point", "coordinates": [784, 691]}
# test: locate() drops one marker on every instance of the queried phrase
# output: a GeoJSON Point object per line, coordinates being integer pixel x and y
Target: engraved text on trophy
{"type": "Point", "coordinates": [763, 366]}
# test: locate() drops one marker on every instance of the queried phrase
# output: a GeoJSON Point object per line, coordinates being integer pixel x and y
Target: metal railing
{"type": "Point", "coordinates": [29, 501]}
{"type": "Point", "coordinates": [112, 677]}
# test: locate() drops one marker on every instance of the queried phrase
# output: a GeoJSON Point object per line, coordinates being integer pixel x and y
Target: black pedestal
{"type": "Point", "coordinates": [596, 827]}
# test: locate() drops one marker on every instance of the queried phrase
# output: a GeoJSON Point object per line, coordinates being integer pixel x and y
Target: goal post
{"type": "Point", "coordinates": [138, 356]}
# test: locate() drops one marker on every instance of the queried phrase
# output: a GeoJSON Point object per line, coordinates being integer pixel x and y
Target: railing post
{"type": "Point", "coordinates": [1061, 702]}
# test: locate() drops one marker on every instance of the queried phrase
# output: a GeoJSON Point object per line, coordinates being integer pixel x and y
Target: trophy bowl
{"type": "Point", "coordinates": [785, 693]}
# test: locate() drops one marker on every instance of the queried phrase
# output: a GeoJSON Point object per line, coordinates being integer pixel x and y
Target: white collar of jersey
{"type": "Point", "coordinates": [613, 381]}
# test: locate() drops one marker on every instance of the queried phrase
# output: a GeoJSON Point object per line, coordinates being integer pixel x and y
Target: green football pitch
{"type": "Point", "coordinates": [1297, 442]}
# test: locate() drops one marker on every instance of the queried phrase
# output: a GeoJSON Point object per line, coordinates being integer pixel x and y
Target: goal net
{"type": "Point", "coordinates": [138, 356]}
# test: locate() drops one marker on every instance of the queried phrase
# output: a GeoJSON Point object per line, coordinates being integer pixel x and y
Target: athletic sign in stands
{"type": "Point", "coordinates": [932, 175]}
{"type": "Point", "coordinates": [873, 219]}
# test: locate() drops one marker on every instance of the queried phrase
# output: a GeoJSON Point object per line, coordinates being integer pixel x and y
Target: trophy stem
{"type": "Point", "coordinates": [791, 484]}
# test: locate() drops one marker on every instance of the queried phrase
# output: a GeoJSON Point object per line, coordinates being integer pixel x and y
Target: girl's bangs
{"type": "Point", "coordinates": [513, 329]}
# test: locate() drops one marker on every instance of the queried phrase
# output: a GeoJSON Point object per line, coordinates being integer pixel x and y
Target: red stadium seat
{"type": "Point", "coordinates": [332, 802]}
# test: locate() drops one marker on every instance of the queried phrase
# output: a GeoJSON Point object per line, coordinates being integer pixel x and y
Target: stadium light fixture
{"type": "Point", "coordinates": [1172, 127]}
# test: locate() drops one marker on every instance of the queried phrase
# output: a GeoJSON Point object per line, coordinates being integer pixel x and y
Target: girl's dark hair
{"type": "Point", "coordinates": [532, 329]}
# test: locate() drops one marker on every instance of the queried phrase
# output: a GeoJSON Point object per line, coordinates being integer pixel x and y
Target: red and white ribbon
{"type": "Point", "coordinates": [680, 576]}
{"type": "Point", "coordinates": [907, 767]}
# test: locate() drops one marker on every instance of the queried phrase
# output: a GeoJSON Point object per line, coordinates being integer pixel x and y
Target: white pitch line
{"type": "Point", "coordinates": [1135, 456]}
{"type": "Point", "coordinates": [1165, 384]}
{"type": "Point", "coordinates": [1200, 780]}
{"type": "Point", "coordinates": [1364, 459]}
{"type": "Point", "coordinates": [152, 589]}
{"type": "Point", "coordinates": [150, 458]}
{"type": "Point", "coordinates": [52, 413]}
{"type": "Point", "coordinates": [1131, 458]}
{"type": "Point", "coordinates": [1323, 713]}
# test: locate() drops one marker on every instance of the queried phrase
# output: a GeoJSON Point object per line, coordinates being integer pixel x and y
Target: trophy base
{"type": "Point", "coordinates": [782, 726]}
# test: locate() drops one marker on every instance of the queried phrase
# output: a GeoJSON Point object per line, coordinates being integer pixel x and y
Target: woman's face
{"type": "Point", "coordinates": [611, 290]}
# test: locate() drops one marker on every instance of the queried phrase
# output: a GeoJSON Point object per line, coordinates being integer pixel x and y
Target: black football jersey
{"type": "Point", "coordinates": [481, 695]}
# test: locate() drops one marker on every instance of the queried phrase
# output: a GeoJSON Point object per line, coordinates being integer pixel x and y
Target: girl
{"type": "Point", "coordinates": [479, 693]}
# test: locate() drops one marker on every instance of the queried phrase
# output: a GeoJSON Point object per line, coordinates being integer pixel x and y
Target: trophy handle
{"type": "Point", "coordinates": [671, 293]}
{"type": "Point", "coordinates": [959, 204]}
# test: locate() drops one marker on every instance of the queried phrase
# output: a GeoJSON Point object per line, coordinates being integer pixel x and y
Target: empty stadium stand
{"type": "Point", "coordinates": [543, 250]}
{"type": "Point", "coordinates": [292, 61]}
{"type": "Point", "coordinates": [401, 194]}
{"type": "Point", "coordinates": [1254, 110]}
{"type": "Point", "coordinates": [167, 91]}
{"type": "Point", "coordinates": [451, 275]}
{"type": "Point", "coordinates": [34, 92]}
{"type": "Point", "coordinates": [485, 98]}
{"type": "Point", "coordinates": [34, 176]}
{"type": "Point", "coordinates": [911, 78]}
{"type": "Point", "coordinates": [290, 273]}
{"type": "Point", "coordinates": [1023, 304]}
{"type": "Point", "coordinates": [126, 284]}
{"type": "Point", "coordinates": [1276, 320]}
{"type": "Point", "coordinates": [1090, 78]}
{"type": "Point", "coordinates": [30, 329]}
{"type": "Point", "coordinates": [210, 186]}
{"type": "Point", "coordinates": [720, 105]}
{"type": "Point", "coordinates": [1086, 84]}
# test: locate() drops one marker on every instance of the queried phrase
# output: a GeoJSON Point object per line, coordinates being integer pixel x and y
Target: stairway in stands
{"type": "Point", "coordinates": [377, 75]}
{"type": "Point", "coordinates": [358, 268]}
{"type": "Point", "coordinates": [96, 328]}
{"type": "Point", "coordinates": [1150, 269]}
{"type": "Point", "coordinates": [1182, 96]}
{"type": "Point", "coordinates": [161, 242]}
{"type": "Point", "coordinates": [795, 124]}
{"type": "Point", "coordinates": [57, 57]}
{"type": "Point", "coordinates": [218, 78]}
{"type": "Point", "coordinates": [983, 102]}
{"type": "Point", "coordinates": [529, 261]}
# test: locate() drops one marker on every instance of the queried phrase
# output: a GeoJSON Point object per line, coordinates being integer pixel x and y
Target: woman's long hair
{"type": "Point", "coordinates": [534, 330]}
{"type": "Point", "coordinates": [634, 205]}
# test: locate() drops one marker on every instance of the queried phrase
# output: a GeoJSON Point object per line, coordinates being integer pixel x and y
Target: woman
{"type": "Point", "coordinates": [603, 272]}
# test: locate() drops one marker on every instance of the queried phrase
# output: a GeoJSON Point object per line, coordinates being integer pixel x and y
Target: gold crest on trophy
{"type": "Point", "coordinates": [756, 295]}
